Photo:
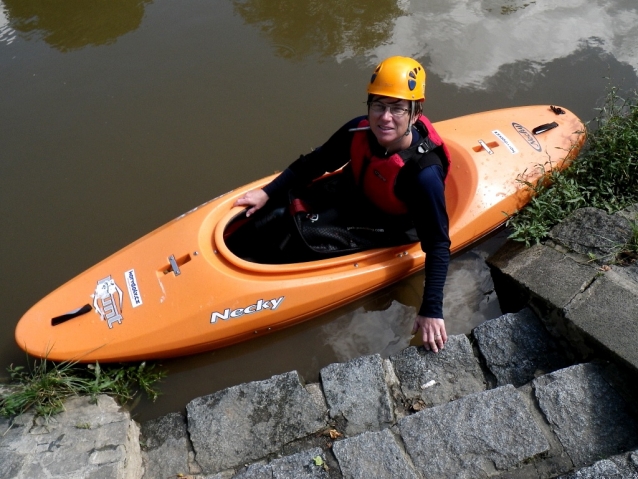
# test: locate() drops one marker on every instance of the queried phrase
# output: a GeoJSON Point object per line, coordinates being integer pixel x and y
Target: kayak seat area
{"type": "Point", "coordinates": [263, 238]}
{"type": "Point", "coordinates": [334, 221]}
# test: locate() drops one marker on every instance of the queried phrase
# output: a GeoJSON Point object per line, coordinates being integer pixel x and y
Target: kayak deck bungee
{"type": "Point", "coordinates": [180, 290]}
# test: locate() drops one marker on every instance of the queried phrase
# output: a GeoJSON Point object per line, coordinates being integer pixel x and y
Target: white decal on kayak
{"type": "Point", "coordinates": [253, 308]}
{"type": "Point", "coordinates": [107, 301]}
{"type": "Point", "coordinates": [527, 136]}
{"type": "Point", "coordinates": [133, 289]}
{"type": "Point", "coordinates": [508, 144]}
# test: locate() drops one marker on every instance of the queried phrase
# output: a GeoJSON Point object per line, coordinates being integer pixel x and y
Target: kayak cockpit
{"type": "Point", "coordinates": [268, 240]}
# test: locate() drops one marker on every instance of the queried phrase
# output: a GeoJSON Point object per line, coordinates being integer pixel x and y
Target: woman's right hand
{"type": "Point", "coordinates": [254, 198]}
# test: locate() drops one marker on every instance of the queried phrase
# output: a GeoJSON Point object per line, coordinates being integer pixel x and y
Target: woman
{"type": "Point", "coordinates": [399, 164]}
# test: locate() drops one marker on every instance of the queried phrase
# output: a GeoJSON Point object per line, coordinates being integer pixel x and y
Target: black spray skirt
{"type": "Point", "coordinates": [329, 218]}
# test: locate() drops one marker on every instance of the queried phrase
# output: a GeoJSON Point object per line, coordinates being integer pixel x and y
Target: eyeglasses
{"type": "Point", "coordinates": [379, 108]}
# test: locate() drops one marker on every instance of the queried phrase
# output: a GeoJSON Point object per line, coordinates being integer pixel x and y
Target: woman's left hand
{"type": "Point", "coordinates": [254, 199]}
{"type": "Point", "coordinates": [433, 332]}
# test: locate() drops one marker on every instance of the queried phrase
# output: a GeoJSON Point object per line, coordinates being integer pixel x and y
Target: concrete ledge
{"type": "Point", "coordinates": [591, 304]}
{"type": "Point", "coordinates": [87, 440]}
{"type": "Point", "coordinates": [607, 316]}
{"type": "Point", "coordinates": [540, 273]}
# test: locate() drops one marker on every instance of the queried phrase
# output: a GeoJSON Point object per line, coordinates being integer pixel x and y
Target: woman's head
{"type": "Point", "coordinates": [395, 100]}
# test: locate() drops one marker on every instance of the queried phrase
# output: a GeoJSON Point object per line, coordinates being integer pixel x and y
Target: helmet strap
{"type": "Point", "coordinates": [407, 132]}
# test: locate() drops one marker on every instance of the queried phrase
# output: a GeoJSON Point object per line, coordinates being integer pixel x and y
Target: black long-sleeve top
{"type": "Point", "coordinates": [422, 191]}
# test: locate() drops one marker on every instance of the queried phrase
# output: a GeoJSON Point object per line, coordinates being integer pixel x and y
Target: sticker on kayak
{"type": "Point", "coordinates": [250, 309]}
{"type": "Point", "coordinates": [107, 301]}
{"type": "Point", "coordinates": [133, 289]}
{"type": "Point", "coordinates": [527, 136]}
{"type": "Point", "coordinates": [506, 141]}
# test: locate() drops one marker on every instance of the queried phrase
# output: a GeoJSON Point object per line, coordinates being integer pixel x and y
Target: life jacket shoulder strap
{"type": "Point", "coordinates": [429, 151]}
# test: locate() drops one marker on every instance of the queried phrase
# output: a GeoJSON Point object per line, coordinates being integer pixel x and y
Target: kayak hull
{"type": "Point", "coordinates": [179, 290]}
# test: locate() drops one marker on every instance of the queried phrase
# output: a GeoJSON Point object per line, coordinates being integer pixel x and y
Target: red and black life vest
{"type": "Point", "coordinates": [377, 175]}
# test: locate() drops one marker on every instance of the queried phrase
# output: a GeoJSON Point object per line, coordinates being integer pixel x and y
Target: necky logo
{"type": "Point", "coordinates": [133, 290]}
{"type": "Point", "coordinates": [107, 301]}
{"type": "Point", "coordinates": [527, 136]}
{"type": "Point", "coordinates": [253, 308]}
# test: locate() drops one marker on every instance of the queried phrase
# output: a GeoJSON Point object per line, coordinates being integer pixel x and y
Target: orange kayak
{"type": "Point", "coordinates": [180, 290]}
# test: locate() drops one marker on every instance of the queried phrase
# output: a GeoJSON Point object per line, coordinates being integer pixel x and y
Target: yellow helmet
{"type": "Point", "coordinates": [398, 77]}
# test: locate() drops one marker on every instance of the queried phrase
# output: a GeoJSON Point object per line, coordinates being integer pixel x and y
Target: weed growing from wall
{"type": "Point", "coordinates": [45, 385]}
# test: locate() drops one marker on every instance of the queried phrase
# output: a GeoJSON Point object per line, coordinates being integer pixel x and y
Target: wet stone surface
{"type": "Point", "coordinates": [357, 394]}
{"type": "Point", "coordinates": [166, 447]}
{"type": "Point", "coordinates": [439, 378]}
{"type": "Point", "coordinates": [593, 232]}
{"type": "Point", "coordinates": [374, 454]}
{"type": "Point", "coordinates": [304, 465]}
{"type": "Point", "coordinates": [246, 422]}
{"type": "Point", "coordinates": [517, 348]}
{"type": "Point", "coordinates": [589, 417]}
{"type": "Point", "coordinates": [474, 436]}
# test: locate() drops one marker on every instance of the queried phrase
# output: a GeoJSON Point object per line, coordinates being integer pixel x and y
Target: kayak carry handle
{"type": "Point", "coordinates": [543, 128]}
{"type": "Point", "coordinates": [70, 315]}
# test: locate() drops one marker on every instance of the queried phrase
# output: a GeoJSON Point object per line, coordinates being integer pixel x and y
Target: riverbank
{"type": "Point", "coordinates": [546, 391]}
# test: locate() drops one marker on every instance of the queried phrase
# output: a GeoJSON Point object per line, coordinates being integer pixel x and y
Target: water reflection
{"type": "Point", "coordinates": [73, 24]}
{"type": "Point", "coordinates": [466, 42]}
{"type": "Point", "coordinates": [503, 33]}
{"type": "Point", "coordinates": [7, 34]}
{"type": "Point", "coordinates": [361, 332]}
{"type": "Point", "coordinates": [328, 28]}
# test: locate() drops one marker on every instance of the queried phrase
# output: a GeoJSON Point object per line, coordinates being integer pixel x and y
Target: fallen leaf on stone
{"type": "Point", "coordinates": [318, 461]}
{"type": "Point", "coordinates": [418, 405]}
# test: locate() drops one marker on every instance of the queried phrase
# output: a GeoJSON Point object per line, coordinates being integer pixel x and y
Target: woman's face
{"type": "Point", "coordinates": [389, 119]}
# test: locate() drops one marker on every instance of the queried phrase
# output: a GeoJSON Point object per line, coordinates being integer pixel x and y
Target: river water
{"type": "Point", "coordinates": [119, 115]}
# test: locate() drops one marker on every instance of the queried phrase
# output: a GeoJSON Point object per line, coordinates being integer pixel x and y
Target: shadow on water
{"type": "Point", "coordinates": [73, 24]}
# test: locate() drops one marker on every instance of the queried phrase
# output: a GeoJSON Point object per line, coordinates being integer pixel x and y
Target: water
{"type": "Point", "coordinates": [118, 116]}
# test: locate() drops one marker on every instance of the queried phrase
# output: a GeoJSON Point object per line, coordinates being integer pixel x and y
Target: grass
{"type": "Point", "coordinates": [629, 252]}
{"type": "Point", "coordinates": [603, 176]}
{"type": "Point", "coordinates": [45, 385]}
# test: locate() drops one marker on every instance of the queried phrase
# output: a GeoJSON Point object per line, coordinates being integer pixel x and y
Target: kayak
{"type": "Point", "coordinates": [180, 289]}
